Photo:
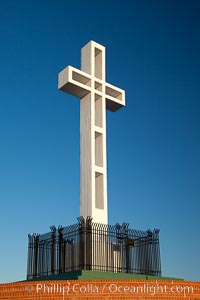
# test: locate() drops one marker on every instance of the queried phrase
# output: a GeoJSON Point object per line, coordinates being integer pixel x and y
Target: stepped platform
{"type": "Point", "coordinates": [101, 285]}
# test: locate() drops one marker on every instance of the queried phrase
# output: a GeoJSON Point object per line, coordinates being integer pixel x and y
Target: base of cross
{"type": "Point", "coordinates": [88, 246]}
{"type": "Point", "coordinates": [95, 275]}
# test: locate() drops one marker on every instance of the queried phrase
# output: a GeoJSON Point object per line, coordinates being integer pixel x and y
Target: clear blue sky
{"type": "Point", "coordinates": [153, 52]}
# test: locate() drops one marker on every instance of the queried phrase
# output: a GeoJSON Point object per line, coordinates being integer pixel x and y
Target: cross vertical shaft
{"type": "Point", "coordinates": [93, 200]}
{"type": "Point", "coordinates": [96, 95]}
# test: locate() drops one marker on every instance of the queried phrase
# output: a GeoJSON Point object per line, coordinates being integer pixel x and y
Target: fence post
{"type": "Point", "coordinates": [60, 248]}
{"type": "Point", "coordinates": [89, 237]}
{"type": "Point", "coordinates": [53, 242]}
{"type": "Point", "coordinates": [35, 264]}
{"type": "Point", "coordinates": [30, 258]}
{"type": "Point", "coordinates": [81, 221]}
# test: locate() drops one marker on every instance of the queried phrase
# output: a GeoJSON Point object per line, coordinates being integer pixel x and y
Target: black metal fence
{"type": "Point", "coordinates": [90, 246]}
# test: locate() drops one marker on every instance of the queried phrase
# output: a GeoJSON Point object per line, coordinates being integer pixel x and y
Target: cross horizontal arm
{"type": "Point", "coordinates": [79, 84]}
{"type": "Point", "coordinates": [74, 82]}
{"type": "Point", "coordinates": [115, 97]}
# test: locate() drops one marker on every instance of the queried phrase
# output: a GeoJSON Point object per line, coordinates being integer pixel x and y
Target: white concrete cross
{"type": "Point", "coordinates": [96, 96]}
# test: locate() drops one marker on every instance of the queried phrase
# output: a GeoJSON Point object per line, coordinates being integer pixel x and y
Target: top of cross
{"type": "Point", "coordinates": [91, 78]}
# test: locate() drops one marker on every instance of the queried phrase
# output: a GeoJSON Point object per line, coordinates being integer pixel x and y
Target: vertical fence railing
{"type": "Point", "coordinates": [90, 246]}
